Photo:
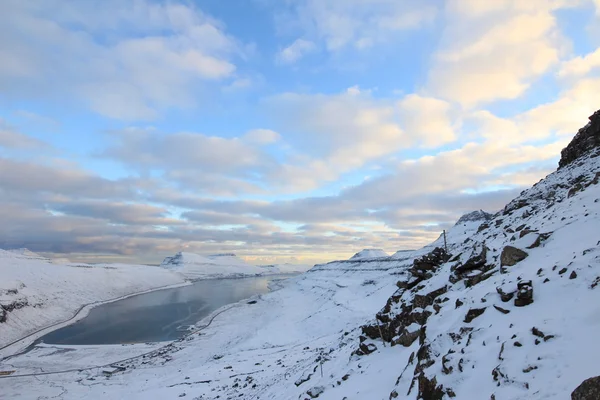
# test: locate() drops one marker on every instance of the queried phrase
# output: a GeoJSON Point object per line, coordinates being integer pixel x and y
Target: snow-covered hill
{"type": "Point", "coordinates": [35, 293]}
{"type": "Point", "coordinates": [510, 312]}
{"type": "Point", "coordinates": [369, 253]}
{"type": "Point", "coordinates": [194, 266]}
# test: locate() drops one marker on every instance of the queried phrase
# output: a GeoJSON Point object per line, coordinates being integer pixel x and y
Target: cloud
{"type": "Point", "coordinates": [342, 24]}
{"type": "Point", "coordinates": [262, 136]}
{"type": "Point", "coordinates": [581, 65]}
{"type": "Point", "coordinates": [151, 149]}
{"type": "Point", "coordinates": [493, 50]}
{"type": "Point", "coordinates": [11, 139]}
{"type": "Point", "coordinates": [127, 60]}
{"type": "Point", "coordinates": [26, 177]}
{"type": "Point", "coordinates": [295, 51]}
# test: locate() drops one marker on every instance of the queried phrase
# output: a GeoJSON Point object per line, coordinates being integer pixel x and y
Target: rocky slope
{"type": "Point", "coordinates": [510, 312]}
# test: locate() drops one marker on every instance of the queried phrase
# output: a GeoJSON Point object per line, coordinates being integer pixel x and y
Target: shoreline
{"type": "Point", "coordinates": [22, 345]}
{"type": "Point", "coordinates": [17, 346]}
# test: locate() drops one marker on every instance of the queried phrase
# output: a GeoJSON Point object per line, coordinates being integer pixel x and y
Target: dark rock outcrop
{"type": "Point", "coordinates": [586, 139]}
{"type": "Point", "coordinates": [475, 216]}
{"type": "Point", "coordinates": [473, 313]}
{"type": "Point", "coordinates": [511, 255]}
{"type": "Point", "coordinates": [588, 390]}
{"type": "Point", "coordinates": [524, 293]}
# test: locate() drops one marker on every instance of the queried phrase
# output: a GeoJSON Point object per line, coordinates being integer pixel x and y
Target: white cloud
{"type": "Point", "coordinates": [429, 120]}
{"type": "Point", "coordinates": [357, 23]}
{"type": "Point", "coordinates": [127, 59]}
{"type": "Point", "coordinates": [295, 51]}
{"type": "Point", "coordinates": [335, 134]}
{"type": "Point", "coordinates": [580, 66]}
{"type": "Point", "coordinates": [262, 136]}
{"type": "Point", "coordinates": [12, 139]}
{"type": "Point", "coordinates": [494, 50]}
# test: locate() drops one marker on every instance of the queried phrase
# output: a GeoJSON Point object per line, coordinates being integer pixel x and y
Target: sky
{"type": "Point", "coordinates": [281, 130]}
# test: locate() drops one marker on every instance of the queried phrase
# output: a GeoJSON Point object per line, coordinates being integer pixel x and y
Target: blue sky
{"type": "Point", "coordinates": [282, 130]}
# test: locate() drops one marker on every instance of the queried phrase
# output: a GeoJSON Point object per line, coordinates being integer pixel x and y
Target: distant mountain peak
{"type": "Point", "coordinates": [369, 253]}
{"type": "Point", "coordinates": [479, 215]}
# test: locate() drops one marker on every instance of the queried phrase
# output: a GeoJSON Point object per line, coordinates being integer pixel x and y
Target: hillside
{"type": "Point", "coordinates": [35, 292]}
{"type": "Point", "coordinates": [510, 311]}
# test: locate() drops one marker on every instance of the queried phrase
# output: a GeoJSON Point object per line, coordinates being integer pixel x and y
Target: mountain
{"type": "Point", "coordinates": [369, 253]}
{"type": "Point", "coordinates": [227, 265]}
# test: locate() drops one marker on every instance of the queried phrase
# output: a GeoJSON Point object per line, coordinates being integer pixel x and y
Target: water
{"type": "Point", "coordinates": [157, 316]}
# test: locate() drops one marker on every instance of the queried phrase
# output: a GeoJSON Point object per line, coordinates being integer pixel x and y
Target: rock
{"type": "Point", "coordinates": [524, 293]}
{"type": "Point", "coordinates": [458, 304]}
{"type": "Point", "coordinates": [586, 139]}
{"type": "Point", "coordinates": [505, 297]}
{"type": "Point", "coordinates": [573, 275]}
{"type": "Point", "coordinates": [477, 260]}
{"type": "Point", "coordinates": [2, 315]}
{"type": "Point", "coordinates": [393, 395]}
{"type": "Point", "coordinates": [535, 331]}
{"type": "Point", "coordinates": [588, 390]}
{"type": "Point", "coordinates": [474, 313]}
{"type": "Point", "coordinates": [562, 271]}
{"type": "Point", "coordinates": [429, 389]}
{"type": "Point", "coordinates": [366, 348]}
{"type": "Point", "coordinates": [502, 310]}
{"type": "Point", "coordinates": [407, 338]}
{"type": "Point", "coordinates": [511, 255]}
{"type": "Point", "coordinates": [422, 267]}
{"type": "Point", "coordinates": [315, 392]}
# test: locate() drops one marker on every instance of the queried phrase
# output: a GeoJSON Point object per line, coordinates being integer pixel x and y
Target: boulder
{"type": "Point", "coordinates": [524, 293]}
{"type": "Point", "coordinates": [588, 390]}
{"type": "Point", "coordinates": [474, 313]}
{"type": "Point", "coordinates": [504, 296]}
{"type": "Point", "coordinates": [315, 392]}
{"type": "Point", "coordinates": [511, 255]}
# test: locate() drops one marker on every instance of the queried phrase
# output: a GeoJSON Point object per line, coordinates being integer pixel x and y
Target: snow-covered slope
{"type": "Point", "coordinates": [194, 266]}
{"type": "Point", "coordinates": [369, 253]}
{"type": "Point", "coordinates": [35, 293]}
{"type": "Point", "coordinates": [511, 312]}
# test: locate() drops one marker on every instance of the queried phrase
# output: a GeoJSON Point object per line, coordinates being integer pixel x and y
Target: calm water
{"type": "Point", "coordinates": [158, 316]}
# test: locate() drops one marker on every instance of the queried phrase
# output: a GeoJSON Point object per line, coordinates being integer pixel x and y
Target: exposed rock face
{"type": "Point", "coordinates": [475, 216]}
{"type": "Point", "coordinates": [588, 390]}
{"type": "Point", "coordinates": [586, 139]}
{"type": "Point", "coordinates": [2, 315]}
{"type": "Point", "coordinates": [511, 255]}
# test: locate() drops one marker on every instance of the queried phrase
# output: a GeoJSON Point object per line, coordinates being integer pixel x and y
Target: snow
{"type": "Point", "coordinates": [303, 336]}
{"type": "Point", "coordinates": [55, 292]}
{"type": "Point", "coordinates": [194, 266]}
{"type": "Point", "coordinates": [369, 253]}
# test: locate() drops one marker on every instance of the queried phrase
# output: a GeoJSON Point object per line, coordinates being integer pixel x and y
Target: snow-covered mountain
{"type": "Point", "coordinates": [511, 311]}
{"type": "Point", "coordinates": [228, 265]}
{"type": "Point", "coordinates": [369, 253]}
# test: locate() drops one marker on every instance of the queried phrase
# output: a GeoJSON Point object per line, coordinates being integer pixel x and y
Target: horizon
{"type": "Point", "coordinates": [284, 132]}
